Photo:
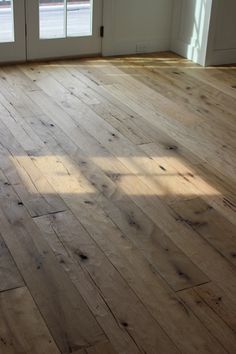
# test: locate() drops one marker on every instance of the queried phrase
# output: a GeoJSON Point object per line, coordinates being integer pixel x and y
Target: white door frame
{"type": "Point", "coordinates": [108, 21]}
{"type": "Point", "coordinates": [15, 51]}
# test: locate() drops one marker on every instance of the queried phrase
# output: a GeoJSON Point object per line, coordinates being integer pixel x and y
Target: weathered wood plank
{"type": "Point", "coordinates": [210, 224]}
{"type": "Point", "coordinates": [65, 313]}
{"type": "Point", "coordinates": [22, 329]}
{"type": "Point", "coordinates": [104, 348]}
{"type": "Point", "coordinates": [9, 275]}
{"type": "Point", "coordinates": [209, 318]}
{"type": "Point", "coordinates": [122, 301]}
{"type": "Point", "coordinates": [130, 262]}
{"type": "Point", "coordinates": [103, 309]}
{"type": "Point", "coordinates": [141, 153]}
{"type": "Point", "coordinates": [195, 179]}
{"type": "Point", "coordinates": [136, 163]}
{"type": "Point", "coordinates": [172, 264]}
{"type": "Point", "coordinates": [217, 299]}
{"type": "Point", "coordinates": [37, 194]}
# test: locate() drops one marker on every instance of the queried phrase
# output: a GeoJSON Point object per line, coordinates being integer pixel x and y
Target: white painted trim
{"type": "Point", "coordinates": [108, 16]}
{"type": "Point", "coordinates": [221, 57]}
{"type": "Point", "coordinates": [196, 48]}
{"type": "Point", "coordinates": [126, 47]}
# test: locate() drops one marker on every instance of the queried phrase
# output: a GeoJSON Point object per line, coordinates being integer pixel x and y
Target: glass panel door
{"type": "Point", "coordinates": [63, 28]}
{"type": "Point", "coordinates": [12, 31]}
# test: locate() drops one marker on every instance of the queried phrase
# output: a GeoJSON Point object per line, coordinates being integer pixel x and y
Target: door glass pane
{"type": "Point", "coordinates": [6, 21]}
{"type": "Point", "coordinates": [52, 18]}
{"type": "Point", "coordinates": [79, 17]}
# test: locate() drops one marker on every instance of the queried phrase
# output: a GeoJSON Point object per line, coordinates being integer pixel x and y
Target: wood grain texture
{"type": "Point", "coordinates": [9, 274]}
{"type": "Point", "coordinates": [59, 302]}
{"type": "Point", "coordinates": [209, 318]}
{"type": "Point", "coordinates": [105, 348]}
{"type": "Point", "coordinates": [22, 329]}
{"type": "Point", "coordinates": [117, 207]}
{"type": "Point", "coordinates": [122, 302]}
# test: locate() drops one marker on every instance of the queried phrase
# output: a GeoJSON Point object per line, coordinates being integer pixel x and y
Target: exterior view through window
{"type": "Point", "coordinates": [6, 21]}
{"type": "Point", "coordinates": [65, 18]}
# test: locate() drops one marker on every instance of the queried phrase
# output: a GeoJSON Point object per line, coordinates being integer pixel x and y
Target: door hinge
{"type": "Point", "coordinates": [102, 31]}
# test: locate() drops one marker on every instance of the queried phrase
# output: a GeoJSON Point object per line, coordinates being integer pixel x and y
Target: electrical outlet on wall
{"type": "Point", "coordinates": [141, 47]}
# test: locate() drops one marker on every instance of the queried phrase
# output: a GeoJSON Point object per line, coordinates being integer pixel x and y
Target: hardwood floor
{"type": "Point", "coordinates": [117, 207]}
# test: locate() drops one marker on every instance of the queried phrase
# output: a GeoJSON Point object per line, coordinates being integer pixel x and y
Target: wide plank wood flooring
{"type": "Point", "coordinates": [118, 207]}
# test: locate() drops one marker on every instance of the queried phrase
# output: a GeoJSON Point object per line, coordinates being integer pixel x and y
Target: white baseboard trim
{"type": "Point", "coordinates": [188, 51]}
{"type": "Point", "coordinates": [137, 46]}
{"type": "Point", "coordinates": [221, 57]}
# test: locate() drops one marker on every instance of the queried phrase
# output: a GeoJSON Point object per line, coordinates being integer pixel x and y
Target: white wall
{"type": "Point", "coordinates": [222, 36]}
{"type": "Point", "coordinates": [205, 30]}
{"type": "Point", "coordinates": [133, 26]}
{"type": "Point", "coordinates": [190, 28]}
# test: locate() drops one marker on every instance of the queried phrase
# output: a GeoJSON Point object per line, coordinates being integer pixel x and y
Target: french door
{"type": "Point", "coordinates": [63, 28]}
{"type": "Point", "coordinates": [12, 31]}
{"type": "Point", "coordinates": [42, 29]}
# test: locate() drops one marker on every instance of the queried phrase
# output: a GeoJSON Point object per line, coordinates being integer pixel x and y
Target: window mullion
{"type": "Point", "coordinates": [65, 17]}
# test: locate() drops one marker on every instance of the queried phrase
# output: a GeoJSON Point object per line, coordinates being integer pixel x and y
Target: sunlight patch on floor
{"type": "Point", "coordinates": [58, 175]}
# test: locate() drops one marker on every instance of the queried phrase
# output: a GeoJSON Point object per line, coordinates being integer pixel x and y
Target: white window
{"type": "Point", "coordinates": [65, 18]}
{"type": "Point", "coordinates": [6, 21]}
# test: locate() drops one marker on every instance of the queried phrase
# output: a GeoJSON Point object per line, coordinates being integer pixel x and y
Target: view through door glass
{"type": "Point", "coordinates": [65, 18]}
{"type": "Point", "coordinates": [6, 21]}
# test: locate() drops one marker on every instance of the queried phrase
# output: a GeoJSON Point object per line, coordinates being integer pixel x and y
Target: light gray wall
{"type": "Point", "coordinates": [222, 36]}
{"type": "Point", "coordinates": [201, 30]}
{"type": "Point", "coordinates": [133, 26]}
